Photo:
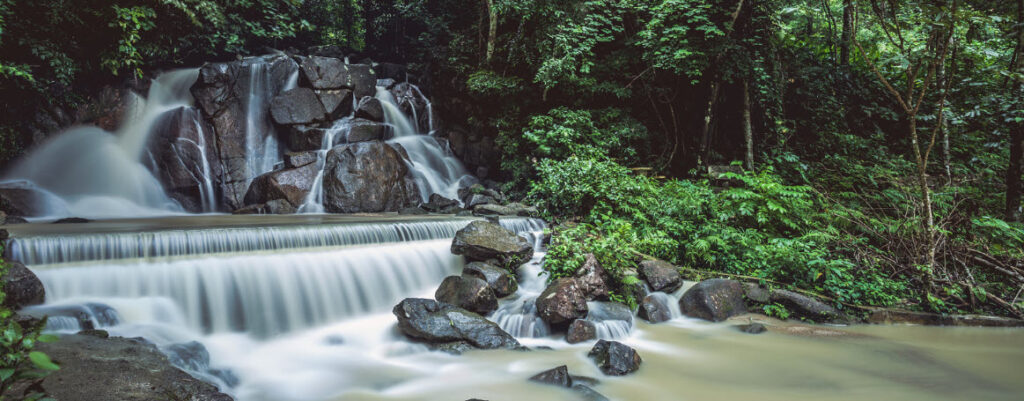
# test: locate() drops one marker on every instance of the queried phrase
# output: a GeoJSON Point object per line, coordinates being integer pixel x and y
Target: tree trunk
{"type": "Point", "coordinates": [847, 38]}
{"type": "Point", "coordinates": [926, 194]}
{"type": "Point", "coordinates": [1013, 172]}
{"type": "Point", "coordinates": [748, 130]}
{"type": "Point", "coordinates": [705, 133]}
{"type": "Point", "coordinates": [492, 31]}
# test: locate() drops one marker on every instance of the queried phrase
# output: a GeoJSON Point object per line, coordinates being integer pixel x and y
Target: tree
{"type": "Point", "coordinates": [848, 33]}
{"type": "Point", "coordinates": [1013, 171]}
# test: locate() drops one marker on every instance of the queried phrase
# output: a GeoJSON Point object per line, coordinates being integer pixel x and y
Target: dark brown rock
{"type": "Point", "coordinates": [22, 202]}
{"type": "Point", "coordinates": [660, 275]}
{"type": "Point", "coordinates": [482, 240]}
{"type": "Point", "coordinates": [592, 279]}
{"type": "Point", "coordinates": [367, 177]}
{"type": "Point", "coordinates": [714, 300]}
{"type": "Point", "coordinates": [297, 106]}
{"type": "Point", "coordinates": [615, 358]}
{"type": "Point", "coordinates": [22, 287]}
{"type": "Point", "coordinates": [292, 185]}
{"type": "Point", "coordinates": [370, 109]}
{"type": "Point", "coordinates": [654, 309]}
{"type": "Point", "coordinates": [333, 73]}
{"type": "Point", "coordinates": [806, 307]}
{"type": "Point", "coordinates": [182, 148]}
{"type": "Point", "coordinates": [440, 324]}
{"type": "Point", "coordinates": [470, 293]}
{"type": "Point", "coordinates": [361, 130]}
{"type": "Point", "coordinates": [562, 302]}
{"type": "Point", "coordinates": [581, 330]}
{"type": "Point", "coordinates": [556, 377]}
{"type": "Point", "coordinates": [501, 281]}
{"type": "Point", "coordinates": [337, 102]}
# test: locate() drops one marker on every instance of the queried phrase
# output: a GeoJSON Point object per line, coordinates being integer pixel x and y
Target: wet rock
{"type": "Point", "coordinates": [299, 159]}
{"type": "Point", "coordinates": [181, 148]}
{"type": "Point", "coordinates": [370, 109]}
{"type": "Point", "coordinates": [654, 309]}
{"type": "Point", "coordinates": [71, 220]}
{"type": "Point", "coordinates": [297, 106]}
{"type": "Point", "coordinates": [367, 177]}
{"type": "Point", "coordinates": [607, 311]}
{"type": "Point", "coordinates": [22, 287]}
{"type": "Point", "coordinates": [588, 394]}
{"type": "Point", "coordinates": [438, 203]}
{"type": "Point", "coordinates": [896, 316]}
{"type": "Point", "coordinates": [22, 202]}
{"type": "Point", "coordinates": [14, 220]}
{"type": "Point", "coordinates": [305, 138]}
{"type": "Point", "coordinates": [660, 275]}
{"type": "Point", "coordinates": [714, 300]}
{"type": "Point", "coordinates": [562, 302]}
{"type": "Point", "coordinates": [292, 185]}
{"type": "Point", "coordinates": [361, 130]}
{"type": "Point", "coordinates": [337, 102]}
{"type": "Point", "coordinates": [806, 307]}
{"type": "Point", "coordinates": [556, 377]}
{"type": "Point", "coordinates": [456, 210]}
{"type": "Point", "coordinates": [95, 333]}
{"type": "Point", "coordinates": [482, 240]}
{"type": "Point", "coordinates": [490, 209]}
{"type": "Point", "coordinates": [276, 206]}
{"type": "Point", "coordinates": [87, 316]}
{"type": "Point", "coordinates": [475, 200]}
{"type": "Point", "coordinates": [470, 293]}
{"type": "Point", "coordinates": [581, 330]}
{"type": "Point", "coordinates": [94, 368]}
{"type": "Point", "coordinates": [412, 211]}
{"type": "Point", "coordinates": [333, 73]}
{"type": "Point", "coordinates": [592, 279]}
{"type": "Point", "coordinates": [752, 328]}
{"type": "Point", "coordinates": [498, 279]}
{"type": "Point", "coordinates": [756, 293]}
{"type": "Point", "coordinates": [438, 323]}
{"type": "Point", "coordinates": [615, 358]}
{"type": "Point", "coordinates": [466, 194]}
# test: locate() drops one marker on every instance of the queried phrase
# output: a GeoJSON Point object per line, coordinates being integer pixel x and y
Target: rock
{"type": "Point", "coordinates": [714, 300]}
{"type": "Point", "coordinates": [456, 210]}
{"type": "Point", "coordinates": [608, 311]}
{"type": "Point", "coordinates": [466, 193]}
{"type": "Point", "coordinates": [615, 358]}
{"type": "Point", "coordinates": [277, 206]}
{"type": "Point", "coordinates": [499, 280]}
{"type": "Point", "coordinates": [557, 377]}
{"type": "Point", "coordinates": [756, 293]}
{"type": "Point", "coordinates": [494, 210]}
{"type": "Point", "coordinates": [370, 109]}
{"type": "Point", "coordinates": [305, 138]}
{"type": "Point", "coordinates": [95, 333]}
{"type": "Point", "coordinates": [482, 240]}
{"type": "Point", "coordinates": [367, 177]}
{"type": "Point", "coordinates": [15, 220]}
{"type": "Point", "coordinates": [562, 302]}
{"type": "Point", "coordinates": [438, 323]}
{"type": "Point", "coordinates": [95, 368]}
{"type": "Point", "coordinates": [361, 130]}
{"type": "Point", "coordinates": [470, 293]}
{"type": "Point", "coordinates": [72, 220]}
{"type": "Point", "coordinates": [479, 200]}
{"type": "Point", "coordinates": [416, 210]}
{"type": "Point", "coordinates": [896, 316]}
{"type": "Point", "coordinates": [22, 287]}
{"type": "Point", "coordinates": [387, 83]}
{"type": "Point", "coordinates": [752, 328]}
{"type": "Point", "coordinates": [299, 159]}
{"type": "Point", "coordinates": [588, 394]}
{"type": "Point", "coordinates": [22, 202]}
{"type": "Point", "coordinates": [660, 275]}
{"type": "Point", "coordinates": [333, 73]}
{"type": "Point", "coordinates": [806, 307]}
{"type": "Point", "coordinates": [438, 203]}
{"type": "Point", "coordinates": [337, 102]}
{"type": "Point", "coordinates": [182, 147]}
{"type": "Point", "coordinates": [592, 279]}
{"type": "Point", "coordinates": [297, 106]}
{"type": "Point", "coordinates": [223, 93]}
{"type": "Point", "coordinates": [292, 185]}
{"type": "Point", "coordinates": [87, 316]}
{"type": "Point", "coordinates": [581, 330]}
{"type": "Point", "coordinates": [654, 309]}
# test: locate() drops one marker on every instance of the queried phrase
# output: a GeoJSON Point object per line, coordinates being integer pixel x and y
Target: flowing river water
{"type": "Point", "coordinates": [298, 308]}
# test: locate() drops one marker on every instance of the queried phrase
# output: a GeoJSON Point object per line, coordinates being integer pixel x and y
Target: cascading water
{"type": "Point", "coordinates": [433, 167]}
{"type": "Point", "coordinates": [94, 173]}
{"type": "Point", "coordinates": [262, 151]}
{"type": "Point", "coordinates": [314, 202]}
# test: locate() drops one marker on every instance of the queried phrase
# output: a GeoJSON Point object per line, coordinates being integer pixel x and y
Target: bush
{"type": "Point", "coordinates": [18, 359]}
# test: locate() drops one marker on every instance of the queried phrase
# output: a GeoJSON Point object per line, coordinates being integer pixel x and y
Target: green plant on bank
{"type": "Point", "coordinates": [19, 361]}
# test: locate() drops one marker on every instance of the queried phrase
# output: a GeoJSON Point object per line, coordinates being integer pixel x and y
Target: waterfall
{"type": "Point", "coordinates": [314, 202]}
{"type": "Point", "coordinates": [99, 174]}
{"type": "Point", "coordinates": [433, 167]}
{"type": "Point", "coordinates": [262, 151]}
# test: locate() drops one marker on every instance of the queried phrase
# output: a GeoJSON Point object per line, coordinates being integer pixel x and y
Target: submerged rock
{"type": "Point", "coordinates": [562, 302]}
{"type": "Point", "coordinates": [94, 368]}
{"type": "Point", "coordinates": [660, 275]}
{"type": "Point", "coordinates": [470, 293]}
{"type": "Point", "coordinates": [22, 287]}
{"type": "Point", "coordinates": [615, 358]}
{"type": "Point", "coordinates": [752, 328]}
{"type": "Point", "coordinates": [581, 330]}
{"type": "Point", "coordinates": [440, 324]}
{"type": "Point", "coordinates": [482, 240]}
{"type": "Point", "coordinates": [499, 280]}
{"type": "Point", "coordinates": [367, 177]}
{"type": "Point", "coordinates": [714, 300]}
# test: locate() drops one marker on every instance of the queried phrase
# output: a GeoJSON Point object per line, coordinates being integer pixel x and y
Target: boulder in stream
{"type": "Point", "coordinates": [660, 275]}
{"type": "Point", "coordinates": [498, 279]}
{"type": "Point", "coordinates": [654, 309]}
{"type": "Point", "coordinates": [94, 368]}
{"type": "Point", "coordinates": [448, 327]}
{"type": "Point", "coordinates": [333, 73]}
{"type": "Point", "coordinates": [297, 106]}
{"type": "Point", "coordinates": [292, 185]}
{"type": "Point", "coordinates": [615, 358]}
{"type": "Point", "coordinates": [483, 240]}
{"type": "Point", "coordinates": [714, 300]}
{"type": "Point", "coordinates": [367, 177]}
{"type": "Point", "coordinates": [371, 109]}
{"type": "Point", "coordinates": [806, 307]}
{"type": "Point", "coordinates": [592, 279]}
{"type": "Point", "coordinates": [470, 293]}
{"type": "Point", "coordinates": [362, 130]}
{"type": "Point", "coordinates": [437, 203]}
{"type": "Point", "coordinates": [22, 287]}
{"type": "Point", "coordinates": [337, 102]}
{"type": "Point", "coordinates": [562, 302]}
{"type": "Point", "coordinates": [581, 330]}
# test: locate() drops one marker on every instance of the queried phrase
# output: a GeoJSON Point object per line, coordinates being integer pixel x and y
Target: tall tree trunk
{"type": "Point", "coordinates": [705, 133]}
{"type": "Point", "coordinates": [748, 129]}
{"type": "Point", "coordinates": [847, 38]}
{"type": "Point", "coordinates": [926, 194]}
{"type": "Point", "coordinates": [492, 31]}
{"type": "Point", "coordinates": [1013, 172]}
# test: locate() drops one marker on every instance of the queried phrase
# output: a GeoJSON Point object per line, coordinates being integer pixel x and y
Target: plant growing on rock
{"type": "Point", "coordinates": [19, 362]}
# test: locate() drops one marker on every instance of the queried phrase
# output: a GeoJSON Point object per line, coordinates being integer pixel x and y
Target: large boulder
{"type": "Point", "coordinates": [292, 185]}
{"type": "Point", "coordinates": [367, 177]}
{"type": "Point", "coordinates": [337, 102]}
{"type": "Point", "coordinates": [440, 324]}
{"type": "Point", "coordinates": [297, 106]}
{"type": "Point", "coordinates": [498, 279]}
{"type": "Point", "coordinates": [655, 309]}
{"type": "Point", "coordinates": [556, 377]}
{"type": "Point", "coordinates": [333, 73]}
{"type": "Point", "coordinates": [469, 293]}
{"type": "Point", "coordinates": [581, 330]}
{"type": "Point", "coordinates": [22, 287]}
{"type": "Point", "coordinates": [615, 358]}
{"type": "Point", "coordinates": [361, 130]}
{"type": "Point", "coordinates": [96, 368]}
{"type": "Point", "coordinates": [592, 279]}
{"type": "Point", "coordinates": [437, 203]}
{"type": "Point", "coordinates": [182, 150]}
{"type": "Point", "coordinates": [306, 137]}
{"type": "Point", "coordinates": [483, 240]}
{"type": "Point", "coordinates": [806, 307]}
{"type": "Point", "coordinates": [22, 201]}
{"type": "Point", "coordinates": [562, 302]}
{"type": "Point", "coordinates": [660, 275]}
{"type": "Point", "coordinates": [235, 98]}
{"type": "Point", "coordinates": [299, 159]}
{"type": "Point", "coordinates": [714, 300]}
{"type": "Point", "coordinates": [371, 109]}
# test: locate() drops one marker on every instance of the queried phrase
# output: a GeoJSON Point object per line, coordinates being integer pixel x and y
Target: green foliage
{"type": "Point", "coordinates": [680, 34]}
{"type": "Point", "coordinates": [18, 359]}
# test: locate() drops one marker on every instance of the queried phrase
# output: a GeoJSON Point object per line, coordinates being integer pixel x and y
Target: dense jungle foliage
{"type": "Point", "coordinates": [880, 141]}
